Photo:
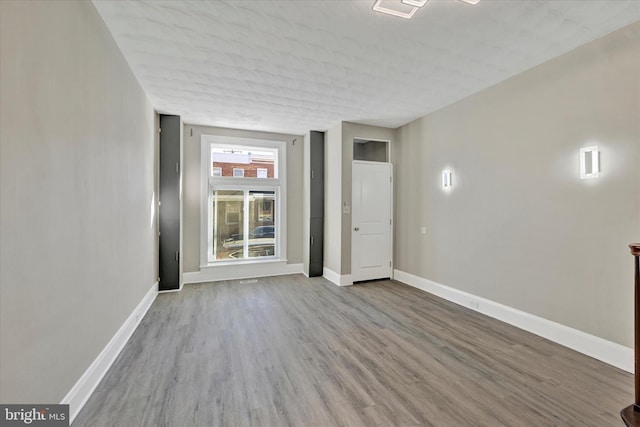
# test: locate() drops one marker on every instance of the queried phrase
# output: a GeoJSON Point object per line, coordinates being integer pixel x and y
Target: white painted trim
{"type": "Point", "coordinates": [278, 184]}
{"type": "Point", "coordinates": [241, 271]}
{"type": "Point", "coordinates": [606, 351]}
{"type": "Point", "coordinates": [332, 276]}
{"type": "Point", "coordinates": [206, 240]}
{"type": "Point", "coordinates": [84, 387]}
{"type": "Point", "coordinates": [366, 138]}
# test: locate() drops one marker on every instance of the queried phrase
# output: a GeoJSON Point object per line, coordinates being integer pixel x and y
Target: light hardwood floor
{"type": "Point", "coordinates": [292, 351]}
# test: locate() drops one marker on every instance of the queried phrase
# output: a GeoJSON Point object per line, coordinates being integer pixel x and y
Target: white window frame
{"type": "Point", "coordinates": [238, 173]}
{"type": "Point", "coordinates": [264, 171]}
{"type": "Point", "coordinates": [216, 171]}
{"type": "Point", "coordinates": [209, 183]}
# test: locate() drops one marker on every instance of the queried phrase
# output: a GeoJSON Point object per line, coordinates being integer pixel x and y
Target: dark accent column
{"type": "Point", "coordinates": [316, 212]}
{"type": "Point", "coordinates": [631, 414]}
{"type": "Point", "coordinates": [169, 212]}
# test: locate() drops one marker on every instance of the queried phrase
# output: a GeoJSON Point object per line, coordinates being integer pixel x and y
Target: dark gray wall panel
{"type": "Point", "coordinates": [316, 211]}
{"type": "Point", "coordinates": [169, 202]}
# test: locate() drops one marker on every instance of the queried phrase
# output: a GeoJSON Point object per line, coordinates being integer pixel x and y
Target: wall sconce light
{"type": "Point", "coordinates": [447, 179]}
{"type": "Point", "coordinates": [589, 162]}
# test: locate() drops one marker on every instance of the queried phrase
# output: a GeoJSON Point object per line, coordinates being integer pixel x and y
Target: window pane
{"type": "Point", "coordinates": [228, 224]}
{"type": "Point", "coordinates": [262, 227]}
{"type": "Point", "coordinates": [254, 162]}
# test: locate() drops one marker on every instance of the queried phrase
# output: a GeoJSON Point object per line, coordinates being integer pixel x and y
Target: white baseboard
{"type": "Point", "coordinates": [168, 291]}
{"type": "Point", "coordinates": [84, 387]}
{"type": "Point", "coordinates": [332, 276]}
{"type": "Point", "coordinates": [591, 345]}
{"type": "Point", "coordinates": [241, 271]}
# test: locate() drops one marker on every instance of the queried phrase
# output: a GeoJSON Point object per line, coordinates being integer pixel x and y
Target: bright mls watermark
{"type": "Point", "coordinates": [34, 415]}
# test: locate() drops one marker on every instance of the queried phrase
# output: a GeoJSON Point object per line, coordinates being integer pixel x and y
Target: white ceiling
{"type": "Point", "coordinates": [297, 65]}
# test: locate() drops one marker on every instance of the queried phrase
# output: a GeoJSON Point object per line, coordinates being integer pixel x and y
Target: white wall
{"type": "Point", "coordinates": [333, 199]}
{"type": "Point", "coordinates": [520, 227]}
{"type": "Point", "coordinates": [77, 155]}
{"type": "Point", "coordinates": [338, 161]}
{"type": "Point", "coordinates": [306, 202]}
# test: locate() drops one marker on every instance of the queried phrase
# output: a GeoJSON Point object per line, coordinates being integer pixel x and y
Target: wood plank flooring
{"type": "Point", "coordinates": [292, 351]}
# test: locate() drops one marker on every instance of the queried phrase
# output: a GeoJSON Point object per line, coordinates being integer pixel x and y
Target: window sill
{"type": "Point", "coordinates": [243, 262]}
{"type": "Point", "coordinates": [241, 270]}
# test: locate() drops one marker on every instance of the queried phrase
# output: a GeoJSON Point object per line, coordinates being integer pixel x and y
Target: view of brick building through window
{"type": "Point", "coordinates": [254, 164]}
{"type": "Point", "coordinates": [250, 170]}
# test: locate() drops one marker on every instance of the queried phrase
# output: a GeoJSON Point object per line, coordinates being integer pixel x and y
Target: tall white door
{"type": "Point", "coordinates": [371, 221]}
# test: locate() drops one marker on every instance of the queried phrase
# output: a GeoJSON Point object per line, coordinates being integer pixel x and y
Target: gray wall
{"type": "Point", "coordinates": [191, 188]}
{"type": "Point", "coordinates": [519, 227]}
{"type": "Point", "coordinates": [77, 152]}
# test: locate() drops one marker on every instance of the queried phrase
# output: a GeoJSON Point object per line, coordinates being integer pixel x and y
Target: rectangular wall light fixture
{"type": "Point", "coordinates": [447, 179]}
{"type": "Point", "coordinates": [589, 162]}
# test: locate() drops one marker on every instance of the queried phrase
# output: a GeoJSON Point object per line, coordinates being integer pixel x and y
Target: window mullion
{"type": "Point", "coordinates": [213, 213]}
{"type": "Point", "coordinates": [245, 225]}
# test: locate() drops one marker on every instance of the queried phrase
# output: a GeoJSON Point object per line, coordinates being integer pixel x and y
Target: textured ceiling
{"type": "Point", "coordinates": [296, 65]}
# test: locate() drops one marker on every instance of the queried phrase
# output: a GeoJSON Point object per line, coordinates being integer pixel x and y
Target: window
{"type": "Point", "coordinates": [247, 207]}
{"type": "Point", "coordinates": [243, 200]}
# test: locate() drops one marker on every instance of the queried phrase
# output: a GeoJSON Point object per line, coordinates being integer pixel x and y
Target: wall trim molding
{"type": "Point", "coordinates": [335, 278]}
{"type": "Point", "coordinates": [241, 271]}
{"type": "Point", "coordinates": [606, 351]}
{"type": "Point", "coordinates": [168, 291]}
{"type": "Point", "coordinates": [85, 386]}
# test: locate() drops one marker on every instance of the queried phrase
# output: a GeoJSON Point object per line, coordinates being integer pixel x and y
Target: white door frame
{"type": "Point", "coordinates": [391, 208]}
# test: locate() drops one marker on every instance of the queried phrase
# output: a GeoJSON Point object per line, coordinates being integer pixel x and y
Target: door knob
{"type": "Point", "coordinates": [357, 229]}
